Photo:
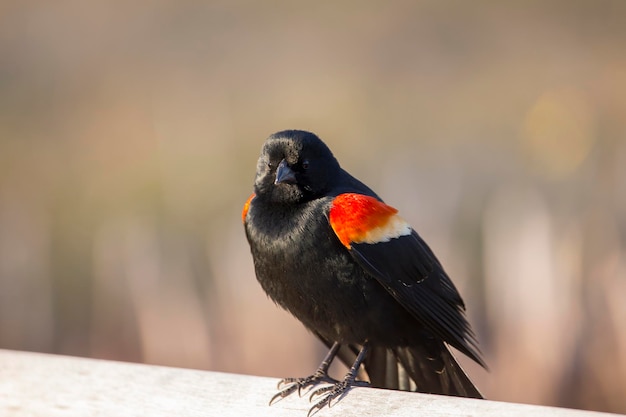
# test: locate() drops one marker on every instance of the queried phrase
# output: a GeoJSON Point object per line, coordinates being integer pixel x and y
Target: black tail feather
{"type": "Point", "coordinates": [436, 374]}
{"type": "Point", "coordinates": [429, 368]}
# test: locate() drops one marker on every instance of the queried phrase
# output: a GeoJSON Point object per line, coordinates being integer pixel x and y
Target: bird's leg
{"type": "Point", "coordinates": [340, 388]}
{"type": "Point", "coordinates": [319, 376]}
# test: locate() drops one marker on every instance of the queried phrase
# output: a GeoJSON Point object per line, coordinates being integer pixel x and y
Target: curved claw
{"type": "Point", "coordinates": [335, 391]}
{"type": "Point", "coordinates": [318, 406]}
{"type": "Point", "coordinates": [284, 393]}
{"type": "Point", "coordinates": [292, 384]}
{"type": "Point", "coordinates": [285, 381]}
{"type": "Point", "coordinates": [322, 390]}
{"type": "Point", "coordinates": [275, 397]}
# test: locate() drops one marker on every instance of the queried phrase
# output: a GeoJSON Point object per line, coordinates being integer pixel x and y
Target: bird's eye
{"type": "Point", "coordinates": [305, 164]}
{"type": "Point", "coordinates": [270, 165]}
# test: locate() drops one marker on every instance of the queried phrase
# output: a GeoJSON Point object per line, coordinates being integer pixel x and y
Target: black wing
{"type": "Point", "coordinates": [409, 270]}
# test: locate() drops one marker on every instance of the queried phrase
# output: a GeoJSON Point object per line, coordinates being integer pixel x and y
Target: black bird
{"type": "Point", "coordinates": [331, 252]}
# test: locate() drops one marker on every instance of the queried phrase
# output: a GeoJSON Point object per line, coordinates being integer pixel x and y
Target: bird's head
{"type": "Point", "coordinates": [294, 166]}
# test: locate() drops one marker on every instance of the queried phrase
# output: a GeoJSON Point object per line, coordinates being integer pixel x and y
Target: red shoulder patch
{"type": "Point", "coordinates": [246, 206]}
{"type": "Point", "coordinates": [357, 218]}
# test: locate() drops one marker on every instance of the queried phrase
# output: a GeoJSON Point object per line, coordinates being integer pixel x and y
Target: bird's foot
{"type": "Point", "coordinates": [298, 384]}
{"type": "Point", "coordinates": [337, 390]}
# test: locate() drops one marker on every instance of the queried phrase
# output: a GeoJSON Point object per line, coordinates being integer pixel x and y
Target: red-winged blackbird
{"type": "Point", "coordinates": [327, 249]}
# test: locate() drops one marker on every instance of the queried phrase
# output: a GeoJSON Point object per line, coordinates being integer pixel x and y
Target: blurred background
{"type": "Point", "coordinates": [129, 133]}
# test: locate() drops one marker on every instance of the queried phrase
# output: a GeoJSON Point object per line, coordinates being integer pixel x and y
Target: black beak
{"type": "Point", "coordinates": [284, 174]}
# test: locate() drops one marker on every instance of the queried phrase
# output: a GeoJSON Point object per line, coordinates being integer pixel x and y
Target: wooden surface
{"type": "Point", "coordinates": [34, 384]}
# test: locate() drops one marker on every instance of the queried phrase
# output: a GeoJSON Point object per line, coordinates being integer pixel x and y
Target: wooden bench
{"type": "Point", "coordinates": [36, 384]}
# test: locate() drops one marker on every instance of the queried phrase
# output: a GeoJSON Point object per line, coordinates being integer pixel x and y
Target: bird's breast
{"type": "Point", "coordinates": [302, 265]}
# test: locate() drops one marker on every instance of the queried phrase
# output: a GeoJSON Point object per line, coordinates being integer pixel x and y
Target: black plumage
{"type": "Point", "coordinates": [385, 296]}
